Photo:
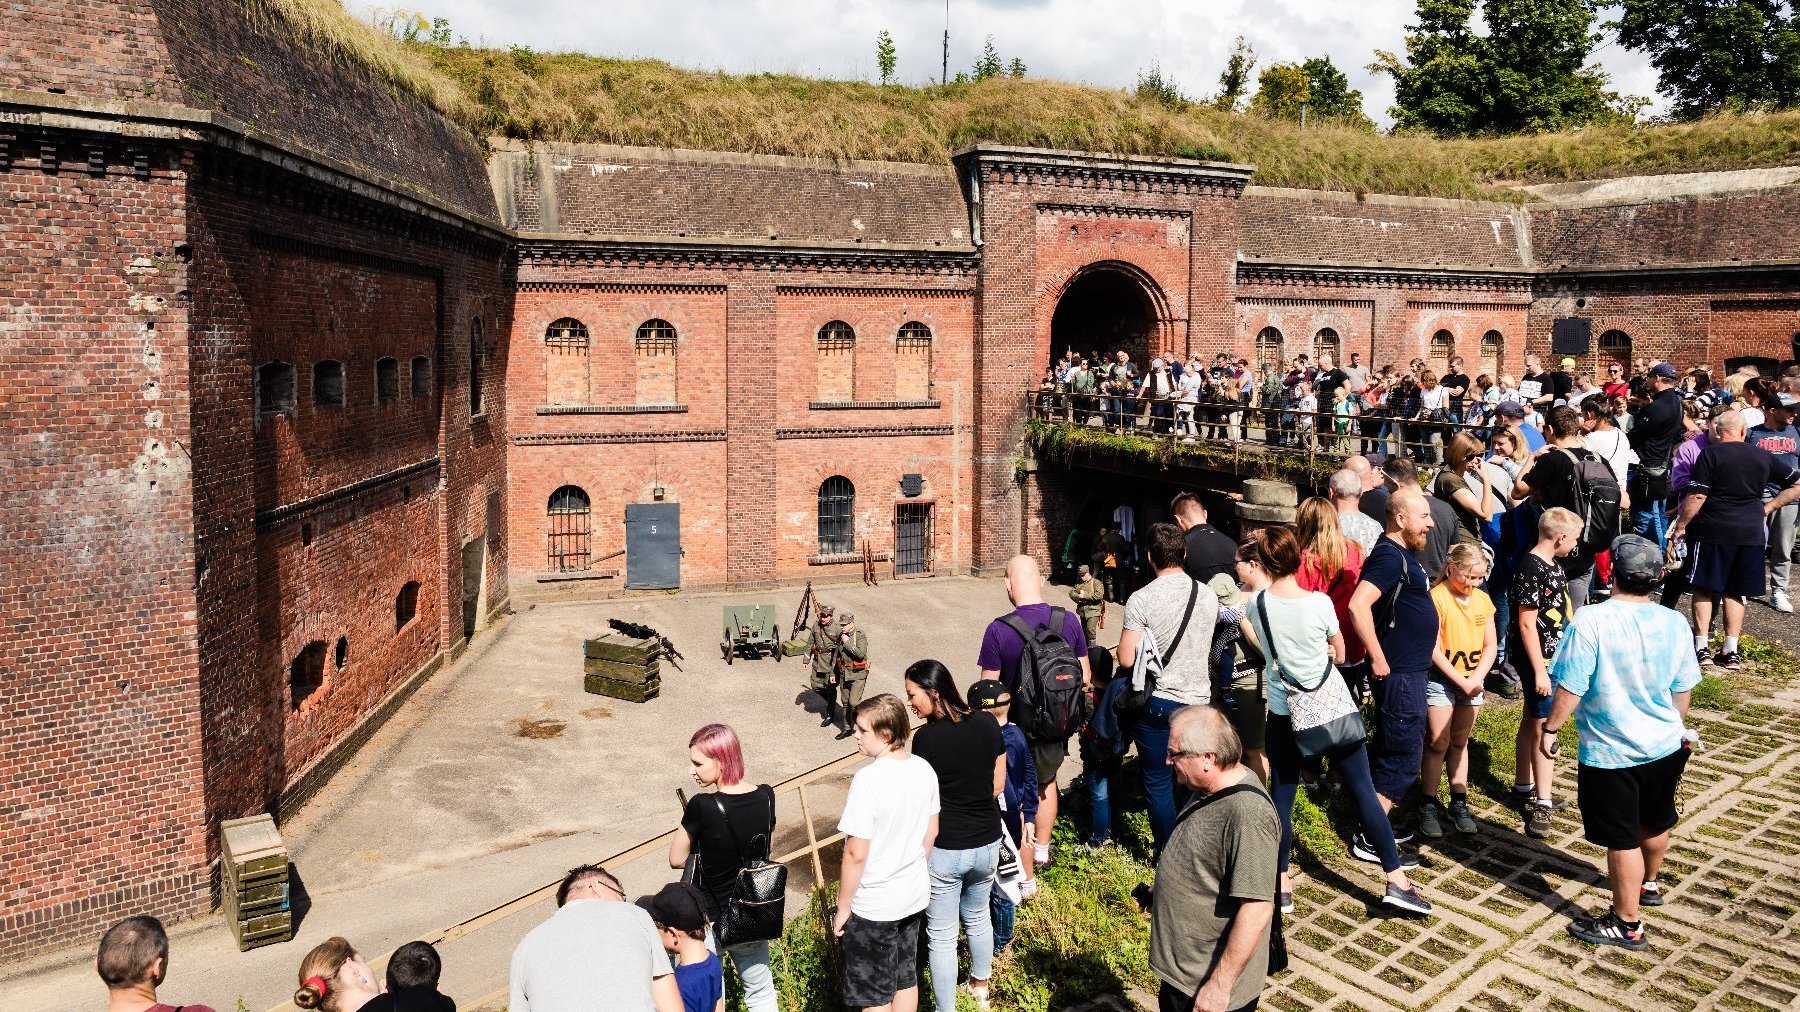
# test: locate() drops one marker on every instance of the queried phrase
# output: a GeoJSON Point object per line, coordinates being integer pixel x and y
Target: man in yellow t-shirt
{"type": "Point", "coordinates": [1466, 649]}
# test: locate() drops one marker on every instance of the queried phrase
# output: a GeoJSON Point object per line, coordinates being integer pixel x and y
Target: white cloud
{"type": "Point", "coordinates": [1102, 42]}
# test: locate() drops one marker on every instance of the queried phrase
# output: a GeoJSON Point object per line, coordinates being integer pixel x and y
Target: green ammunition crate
{"type": "Point", "coordinates": [621, 672]}
{"type": "Point", "coordinates": [636, 692]}
{"type": "Point", "coordinates": [622, 648]}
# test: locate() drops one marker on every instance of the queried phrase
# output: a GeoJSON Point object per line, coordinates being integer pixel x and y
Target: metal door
{"type": "Point", "coordinates": [912, 538]}
{"type": "Point", "coordinates": [653, 546]}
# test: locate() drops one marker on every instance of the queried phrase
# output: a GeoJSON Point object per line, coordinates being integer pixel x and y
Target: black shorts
{"type": "Point", "coordinates": [1250, 716]}
{"type": "Point", "coordinates": [1733, 570]}
{"type": "Point", "coordinates": [881, 959]}
{"type": "Point", "coordinates": [1049, 756]}
{"type": "Point", "coordinates": [1614, 803]}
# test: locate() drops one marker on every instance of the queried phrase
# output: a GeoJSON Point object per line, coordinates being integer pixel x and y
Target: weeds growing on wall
{"type": "Point", "coordinates": [1071, 444]}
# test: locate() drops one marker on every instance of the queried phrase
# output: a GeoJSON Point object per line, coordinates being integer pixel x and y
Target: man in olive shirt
{"type": "Point", "coordinates": [1215, 882]}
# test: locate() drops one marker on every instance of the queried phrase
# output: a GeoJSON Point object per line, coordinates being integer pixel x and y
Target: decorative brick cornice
{"type": "Point", "coordinates": [1504, 306]}
{"type": "Point", "coordinates": [852, 291]}
{"type": "Point", "coordinates": [1304, 303]}
{"type": "Point", "coordinates": [1018, 166]}
{"type": "Point", "coordinates": [1739, 305]}
{"type": "Point", "coordinates": [583, 438]}
{"type": "Point", "coordinates": [866, 431]}
{"type": "Point", "coordinates": [280, 514]}
{"type": "Point", "coordinates": [871, 405]}
{"type": "Point", "coordinates": [613, 409]}
{"type": "Point", "coordinates": [1114, 211]}
{"type": "Point", "coordinates": [561, 254]}
{"type": "Point", "coordinates": [1429, 278]}
{"type": "Point", "coordinates": [617, 288]}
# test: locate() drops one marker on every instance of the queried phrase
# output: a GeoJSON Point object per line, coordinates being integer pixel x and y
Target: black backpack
{"type": "Point", "coordinates": [1596, 496]}
{"type": "Point", "coordinates": [1049, 704]}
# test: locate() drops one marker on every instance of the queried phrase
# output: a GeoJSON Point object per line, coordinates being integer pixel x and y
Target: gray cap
{"type": "Point", "coordinates": [1636, 560]}
{"type": "Point", "coordinates": [845, 618]}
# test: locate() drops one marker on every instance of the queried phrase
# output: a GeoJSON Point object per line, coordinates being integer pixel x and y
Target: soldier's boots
{"type": "Point", "coordinates": [829, 718]}
{"type": "Point", "coordinates": [848, 727]}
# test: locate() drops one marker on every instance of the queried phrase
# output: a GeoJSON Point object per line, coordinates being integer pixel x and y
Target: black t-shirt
{"type": "Point", "coordinates": [1440, 538]}
{"type": "Point", "coordinates": [1552, 478]}
{"type": "Point", "coordinates": [1542, 379]}
{"type": "Point", "coordinates": [1406, 622]}
{"type": "Point", "coordinates": [1732, 477]}
{"type": "Point", "coordinates": [1209, 553]}
{"type": "Point", "coordinates": [1561, 385]}
{"type": "Point", "coordinates": [1329, 381]}
{"type": "Point", "coordinates": [1454, 381]}
{"type": "Point", "coordinates": [1656, 430]}
{"type": "Point", "coordinates": [1538, 585]}
{"type": "Point", "coordinates": [405, 999]}
{"type": "Point", "coordinates": [752, 815]}
{"type": "Point", "coordinates": [1374, 505]}
{"type": "Point", "coordinates": [963, 754]}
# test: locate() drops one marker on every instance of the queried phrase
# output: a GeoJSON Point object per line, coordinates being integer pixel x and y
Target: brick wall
{"type": "Point", "coordinates": [100, 780]}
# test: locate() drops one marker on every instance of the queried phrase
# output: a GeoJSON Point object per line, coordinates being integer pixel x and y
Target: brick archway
{"type": "Point", "coordinates": [1107, 306]}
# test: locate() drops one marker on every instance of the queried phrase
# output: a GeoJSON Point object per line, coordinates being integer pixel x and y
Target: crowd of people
{"type": "Point", "coordinates": [1349, 651]}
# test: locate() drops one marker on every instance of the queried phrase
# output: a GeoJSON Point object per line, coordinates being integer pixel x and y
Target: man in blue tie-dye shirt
{"type": "Point", "coordinates": [1624, 670]}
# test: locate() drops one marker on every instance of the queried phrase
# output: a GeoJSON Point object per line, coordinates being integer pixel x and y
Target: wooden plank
{"type": "Point", "coordinates": [619, 647]}
{"type": "Point", "coordinates": [635, 692]}
{"type": "Point", "coordinates": [621, 671]}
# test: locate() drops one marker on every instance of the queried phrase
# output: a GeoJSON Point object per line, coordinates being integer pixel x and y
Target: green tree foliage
{"type": "Point", "coordinates": [1718, 54]}
{"type": "Point", "coordinates": [1016, 68]}
{"type": "Point", "coordinates": [1282, 89]}
{"type": "Point", "coordinates": [1153, 86]}
{"type": "Point", "coordinates": [988, 64]}
{"type": "Point", "coordinates": [884, 55]}
{"type": "Point", "coordinates": [1234, 80]}
{"type": "Point", "coordinates": [1330, 93]}
{"type": "Point", "coordinates": [1528, 73]}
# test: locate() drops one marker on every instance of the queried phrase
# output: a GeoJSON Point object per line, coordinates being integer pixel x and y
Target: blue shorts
{"type": "Point", "coordinates": [1398, 743]}
{"type": "Point", "coordinates": [1535, 705]}
{"type": "Point", "coordinates": [1733, 570]}
{"type": "Point", "coordinates": [1439, 692]}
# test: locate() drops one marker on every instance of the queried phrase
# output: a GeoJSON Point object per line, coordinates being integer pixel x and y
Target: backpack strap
{"type": "Point", "coordinates": [1218, 795]}
{"type": "Point", "coordinates": [732, 830]}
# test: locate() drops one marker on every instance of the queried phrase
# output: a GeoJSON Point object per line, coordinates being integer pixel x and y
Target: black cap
{"type": "Point", "coordinates": [676, 905]}
{"type": "Point", "coordinates": [987, 694]}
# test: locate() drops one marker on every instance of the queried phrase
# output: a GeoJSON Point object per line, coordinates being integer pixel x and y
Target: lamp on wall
{"type": "Point", "coordinates": [656, 491]}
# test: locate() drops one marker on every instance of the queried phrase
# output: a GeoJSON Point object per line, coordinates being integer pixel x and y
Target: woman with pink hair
{"type": "Point", "coordinates": [727, 827]}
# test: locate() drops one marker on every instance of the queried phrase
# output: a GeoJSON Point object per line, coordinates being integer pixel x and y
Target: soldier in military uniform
{"type": "Point", "coordinates": [851, 671]}
{"type": "Point", "coordinates": [824, 661]}
{"type": "Point", "coordinates": [1089, 596]}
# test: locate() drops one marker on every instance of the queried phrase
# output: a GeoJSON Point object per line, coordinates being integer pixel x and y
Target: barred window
{"type": "Point", "coordinates": [1443, 348]}
{"type": "Point", "coordinates": [328, 384]}
{"type": "Point", "coordinates": [912, 335]}
{"type": "Point", "coordinates": [571, 528]}
{"type": "Point", "coordinates": [421, 376]}
{"type": "Point", "coordinates": [1493, 353]}
{"type": "Point", "coordinates": [837, 335]}
{"type": "Point", "coordinates": [1268, 348]}
{"type": "Point", "coordinates": [477, 366]}
{"type": "Point", "coordinates": [406, 604]}
{"type": "Point", "coordinates": [1615, 346]}
{"type": "Point", "coordinates": [656, 337]}
{"type": "Point", "coordinates": [567, 333]}
{"type": "Point", "coordinates": [837, 516]}
{"type": "Point", "coordinates": [1325, 342]}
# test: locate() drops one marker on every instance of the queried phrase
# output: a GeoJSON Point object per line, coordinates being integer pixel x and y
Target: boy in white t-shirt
{"type": "Point", "coordinates": [889, 823]}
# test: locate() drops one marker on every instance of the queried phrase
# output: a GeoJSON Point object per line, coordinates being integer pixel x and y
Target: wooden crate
{"type": "Point", "coordinates": [622, 648]}
{"type": "Point", "coordinates": [253, 882]}
{"type": "Point", "coordinates": [619, 671]}
{"type": "Point", "coordinates": [635, 692]}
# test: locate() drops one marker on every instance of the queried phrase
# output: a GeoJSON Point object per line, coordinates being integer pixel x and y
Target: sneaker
{"type": "Point", "coordinates": [1537, 822]}
{"type": "Point", "coordinates": [1409, 899]}
{"type": "Point", "coordinates": [1704, 655]}
{"type": "Point", "coordinates": [1505, 688]}
{"type": "Point", "coordinates": [980, 994]}
{"type": "Point", "coordinates": [1728, 660]}
{"type": "Point", "coordinates": [1363, 850]}
{"type": "Point", "coordinates": [1521, 797]}
{"type": "Point", "coordinates": [1461, 818]}
{"type": "Point", "coordinates": [1779, 601]}
{"type": "Point", "coordinates": [1402, 837]}
{"type": "Point", "coordinates": [1608, 930]}
{"type": "Point", "coordinates": [1428, 821]}
{"type": "Point", "coordinates": [1284, 901]}
{"type": "Point", "coordinates": [1651, 895]}
{"type": "Point", "coordinates": [1028, 890]}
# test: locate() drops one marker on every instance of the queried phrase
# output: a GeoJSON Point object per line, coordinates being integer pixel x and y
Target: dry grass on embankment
{"type": "Point", "coordinates": [574, 97]}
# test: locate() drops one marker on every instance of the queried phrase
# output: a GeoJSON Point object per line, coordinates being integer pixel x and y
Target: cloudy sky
{"type": "Point", "coordinates": [1103, 42]}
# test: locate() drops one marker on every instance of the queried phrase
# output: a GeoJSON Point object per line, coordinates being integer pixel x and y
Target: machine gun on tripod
{"type": "Point", "coordinates": [639, 631]}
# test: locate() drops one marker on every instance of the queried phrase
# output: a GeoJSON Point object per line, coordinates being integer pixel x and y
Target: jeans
{"type": "Point", "coordinates": [752, 962]}
{"type": "Point", "coordinates": [1099, 773]}
{"type": "Point", "coordinates": [1650, 519]}
{"type": "Point", "coordinates": [962, 881]}
{"type": "Point", "coordinates": [1004, 913]}
{"type": "Point", "coordinates": [1781, 546]}
{"type": "Point", "coordinates": [1579, 589]}
{"type": "Point", "coordinates": [1150, 733]}
{"type": "Point", "coordinates": [1285, 762]}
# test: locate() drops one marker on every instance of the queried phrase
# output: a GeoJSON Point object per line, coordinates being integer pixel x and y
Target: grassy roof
{"type": "Point", "coordinates": [574, 97]}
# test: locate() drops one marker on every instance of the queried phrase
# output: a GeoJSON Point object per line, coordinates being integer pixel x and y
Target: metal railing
{"type": "Point", "coordinates": [518, 904]}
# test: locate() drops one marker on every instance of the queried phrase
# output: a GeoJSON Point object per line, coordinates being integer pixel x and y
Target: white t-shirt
{"type": "Point", "coordinates": [586, 949]}
{"type": "Point", "coordinates": [890, 805]}
{"type": "Point", "coordinates": [1434, 399]}
{"type": "Point", "coordinates": [1612, 447]}
{"type": "Point", "coordinates": [1752, 417]}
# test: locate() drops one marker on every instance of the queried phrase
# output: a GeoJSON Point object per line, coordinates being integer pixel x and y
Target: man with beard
{"type": "Point", "coordinates": [1395, 618]}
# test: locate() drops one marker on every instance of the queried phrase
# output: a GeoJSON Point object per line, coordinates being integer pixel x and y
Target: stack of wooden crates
{"type": "Point", "coordinates": [621, 667]}
{"type": "Point", "coordinates": [253, 882]}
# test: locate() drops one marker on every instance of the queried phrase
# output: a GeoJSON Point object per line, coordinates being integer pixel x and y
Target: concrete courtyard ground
{"type": "Point", "coordinates": [501, 772]}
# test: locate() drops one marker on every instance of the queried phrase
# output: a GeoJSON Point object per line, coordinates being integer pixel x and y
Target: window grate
{"type": "Point", "coordinates": [836, 336]}
{"type": "Point", "coordinates": [912, 538]}
{"type": "Point", "coordinates": [571, 530]}
{"type": "Point", "coordinates": [567, 334]}
{"type": "Point", "coordinates": [837, 516]}
{"type": "Point", "coordinates": [656, 337]}
{"type": "Point", "coordinates": [914, 336]}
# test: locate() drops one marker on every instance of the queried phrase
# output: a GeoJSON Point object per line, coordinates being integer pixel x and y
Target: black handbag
{"type": "Point", "coordinates": [756, 910]}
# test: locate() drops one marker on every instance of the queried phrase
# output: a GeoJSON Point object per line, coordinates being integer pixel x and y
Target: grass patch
{"type": "Point", "coordinates": [1069, 443]}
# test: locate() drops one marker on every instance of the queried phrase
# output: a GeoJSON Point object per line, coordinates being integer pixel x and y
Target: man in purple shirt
{"type": "Point", "coordinates": [1001, 648]}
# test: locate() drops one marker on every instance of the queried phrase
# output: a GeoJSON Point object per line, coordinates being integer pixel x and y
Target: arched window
{"type": "Point", "coordinates": [656, 337]}
{"type": "Point", "coordinates": [837, 333]}
{"type": "Point", "coordinates": [1325, 342]}
{"type": "Point", "coordinates": [567, 334]}
{"type": "Point", "coordinates": [328, 384]}
{"type": "Point", "coordinates": [387, 380]}
{"type": "Point", "coordinates": [655, 346]}
{"type": "Point", "coordinates": [1268, 348]}
{"type": "Point", "coordinates": [912, 366]}
{"type": "Point", "coordinates": [340, 655]}
{"type": "Point", "coordinates": [477, 366]}
{"type": "Point", "coordinates": [836, 363]}
{"type": "Point", "coordinates": [421, 376]}
{"type": "Point", "coordinates": [406, 604]}
{"type": "Point", "coordinates": [1443, 349]}
{"type": "Point", "coordinates": [1493, 354]}
{"type": "Point", "coordinates": [306, 673]}
{"type": "Point", "coordinates": [1613, 346]}
{"type": "Point", "coordinates": [837, 516]}
{"type": "Point", "coordinates": [274, 387]}
{"type": "Point", "coordinates": [571, 526]}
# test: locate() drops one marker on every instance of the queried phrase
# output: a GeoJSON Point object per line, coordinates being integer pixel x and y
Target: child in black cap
{"type": "Point", "coordinates": [680, 915]}
{"type": "Point", "coordinates": [412, 982]}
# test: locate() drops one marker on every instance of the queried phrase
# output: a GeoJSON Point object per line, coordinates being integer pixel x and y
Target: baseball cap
{"type": "Point", "coordinates": [1636, 560]}
{"type": "Point", "coordinates": [1663, 369]}
{"type": "Point", "coordinates": [1512, 409]}
{"type": "Point", "coordinates": [1226, 589]}
{"type": "Point", "coordinates": [987, 694]}
{"type": "Point", "coordinates": [1567, 362]}
{"type": "Point", "coordinates": [677, 905]}
{"type": "Point", "coordinates": [1787, 400]}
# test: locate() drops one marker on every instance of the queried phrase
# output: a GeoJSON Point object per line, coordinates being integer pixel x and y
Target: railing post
{"type": "Point", "coordinates": [812, 839]}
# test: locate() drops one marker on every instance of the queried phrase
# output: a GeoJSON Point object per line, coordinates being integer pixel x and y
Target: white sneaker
{"type": "Point", "coordinates": [1779, 601]}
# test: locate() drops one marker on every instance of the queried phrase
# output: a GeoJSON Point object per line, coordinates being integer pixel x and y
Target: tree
{"type": "Point", "coordinates": [1718, 54]}
{"type": "Point", "coordinates": [884, 55]}
{"type": "Point", "coordinates": [1282, 89]}
{"type": "Point", "coordinates": [1153, 86]}
{"type": "Point", "coordinates": [1330, 93]}
{"type": "Point", "coordinates": [988, 64]}
{"type": "Point", "coordinates": [1234, 80]}
{"type": "Point", "coordinates": [1016, 68]}
{"type": "Point", "coordinates": [1528, 73]}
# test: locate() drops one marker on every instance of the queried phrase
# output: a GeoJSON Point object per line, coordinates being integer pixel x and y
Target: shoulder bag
{"type": "Point", "coordinates": [757, 907]}
{"type": "Point", "coordinates": [1326, 719]}
{"type": "Point", "coordinates": [1278, 952]}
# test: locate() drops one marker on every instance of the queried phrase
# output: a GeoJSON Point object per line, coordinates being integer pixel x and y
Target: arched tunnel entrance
{"type": "Point", "coordinates": [1105, 309]}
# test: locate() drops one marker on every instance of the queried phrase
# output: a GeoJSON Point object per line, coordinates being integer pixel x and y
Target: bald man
{"type": "Point", "coordinates": [1001, 648]}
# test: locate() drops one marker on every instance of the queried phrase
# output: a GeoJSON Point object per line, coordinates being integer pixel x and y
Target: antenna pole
{"type": "Point", "coordinates": [944, 77]}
